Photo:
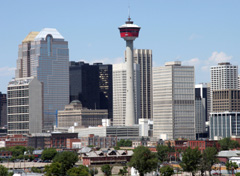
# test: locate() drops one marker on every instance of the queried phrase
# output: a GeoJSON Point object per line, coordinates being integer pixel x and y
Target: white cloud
{"type": "Point", "coordinates": [195, 36]}
{"type": "Point", "coordinates": [7, 71]}
{"type": "Point", "coordinates": [219, 57]}
{"type": "Point", "coordinates": [214, 59]}
{"type": "Point", "coordinates": [193, 61]}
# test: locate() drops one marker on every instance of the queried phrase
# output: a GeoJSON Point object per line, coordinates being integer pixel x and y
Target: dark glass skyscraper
{"type": "Point", "coordinates": [3, 109]}
{"type": "Point", "coordinates": [92, 85]}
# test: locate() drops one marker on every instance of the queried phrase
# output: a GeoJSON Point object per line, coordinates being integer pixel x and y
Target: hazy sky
{"type": "Point", "coordinates": [197, 32]}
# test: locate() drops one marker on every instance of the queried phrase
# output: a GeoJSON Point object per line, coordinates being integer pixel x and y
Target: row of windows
{"type": "Point", "coordinates": [19, 117]}
{"type": "Point", "coordinates": [21, 109]}
{"type": "Point", "coordinates": [18, 93]}
{"type": "Point", "coordinates": [19, 101]}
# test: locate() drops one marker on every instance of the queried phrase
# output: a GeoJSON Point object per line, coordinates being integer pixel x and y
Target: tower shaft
{"type": "Point", "coordinates": [130, 108]}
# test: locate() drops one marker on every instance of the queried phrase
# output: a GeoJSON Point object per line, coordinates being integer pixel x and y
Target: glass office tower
{"type": "Point", "coordinates": [45, 55]}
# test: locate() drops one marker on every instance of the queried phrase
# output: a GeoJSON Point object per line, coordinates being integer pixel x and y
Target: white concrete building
{"type": "Point", "coordinates": [173, 101]}
{"type": "Point", "coordinates": [143, 57]}
{"type": "Point", "coordinates": [223, 76]}
{"type": "Point", "coordinates": [104, 131]}
{"type": "Point", "coordinates": [25, 106]}
{"type": "Point", "coordinates": [119, 93]}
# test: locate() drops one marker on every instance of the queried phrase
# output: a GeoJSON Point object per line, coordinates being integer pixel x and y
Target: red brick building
{"type": "Point", "coordinates": [71, 141]}
{"type": "Point", "coordinates": [59, 140]}
{"type": "Point", "coordinates": [12, 140]}
{"type": "Point", "coordinates": [202, 145]}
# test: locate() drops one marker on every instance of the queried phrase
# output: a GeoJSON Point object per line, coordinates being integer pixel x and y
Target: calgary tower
{"type": "Point", "coordinates": [129, 32]}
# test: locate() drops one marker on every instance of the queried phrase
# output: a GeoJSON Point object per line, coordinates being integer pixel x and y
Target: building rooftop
{"type": "Point", "coordinates": [46, 31]}
{"type": "Point", "coordinates": [20, 81]}
{"type": "Point", "coordinates": [224, 63]}
{"type": "Point", "coordinates": [30, 37]}
{"type": "Point", "coordinates": [175, 63]}
{"type": "Point", "coordinates": [229, 153]}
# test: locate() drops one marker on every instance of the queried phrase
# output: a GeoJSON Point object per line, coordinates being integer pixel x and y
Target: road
{"type": "Point", "coordinates": [22, 165]}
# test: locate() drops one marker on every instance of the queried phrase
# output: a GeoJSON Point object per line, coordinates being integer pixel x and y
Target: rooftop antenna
{"type": "Point", "coordinates": [129, 18]}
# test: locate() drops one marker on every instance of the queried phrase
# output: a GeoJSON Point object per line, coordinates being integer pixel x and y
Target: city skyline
{"type": "Point", "coordinates": [196, 33]}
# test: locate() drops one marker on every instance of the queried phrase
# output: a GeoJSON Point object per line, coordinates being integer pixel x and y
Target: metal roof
{"type": "Point", "coordinates": [30, 37]}
{"type": "Point", "coordinates": [129, 26]}
{"type": "Point", "coordinates": [229, 153]}
{"type": "Point", "coordinates": [46, 31]}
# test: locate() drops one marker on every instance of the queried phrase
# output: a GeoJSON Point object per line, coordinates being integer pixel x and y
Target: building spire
{"type": "Point", "coordinates": [129, 18]}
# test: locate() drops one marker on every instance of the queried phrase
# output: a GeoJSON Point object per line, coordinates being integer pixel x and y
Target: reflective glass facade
{"type": "Point", "coordinates": [49, 60]}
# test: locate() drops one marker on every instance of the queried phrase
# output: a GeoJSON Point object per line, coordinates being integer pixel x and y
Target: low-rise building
{"type": "Point", "coordinates": [104, 131]}
{"type": "Point", "coordinates": [40, 140]}
{"type": "Point", "coordinates": [202, 145]}
{"type": "Point", "coordinates": [74, 114]}
{"type": "Point", "coordinates": [109, 157]}
{"type": "Point", "coordinates": [224, 156]}
{"type": "Point", "coordinates": [59, 140]}
{"type": "Point", "coordinates": [12, 140]}
{"type": "Point", "coordinates": [73, 143]}
{"type": "Point", "coordinates": [98, 141]}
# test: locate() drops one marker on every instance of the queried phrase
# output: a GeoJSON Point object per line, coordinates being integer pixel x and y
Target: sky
{"type": "Point", "coordinates": [197, 32]}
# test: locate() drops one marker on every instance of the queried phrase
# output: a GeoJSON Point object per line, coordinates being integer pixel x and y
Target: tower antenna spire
{"type": "Point", "coordinates": [129, 18]}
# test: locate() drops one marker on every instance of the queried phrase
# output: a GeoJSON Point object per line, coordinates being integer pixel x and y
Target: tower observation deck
{"type": "Point", "coordinates": [129, 32]}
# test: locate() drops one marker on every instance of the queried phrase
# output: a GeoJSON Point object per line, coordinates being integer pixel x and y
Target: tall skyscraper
{"type": "Point", "coordinates": [202, 90]}
{"type": "Point", "coordinates": [45, 55]}
{"type": "Point", "coordinates": [84, 84]}
{"type": "Point", "coordinates": [25, 106]}
{"type": "Point", "coordinates": [105, 86]}
{"type": "Point", "coordinates": [119, 93]}
{"type": "Point", "coordinates": [223, 76]}
{"type": "Point", "coordinates": [3, 110]}
{"type": "Point", "coordinates": [92, 85]}
{"type": "Point", "coordinates": [143, 57]}
{"type": "Point", "coordinates": [238, 81]}
{"type": "Point", "coordinates": [173, 101]}
{"type": "Point", "coordinates": [129, 32]}
{"type": "Point", "coordinates": [201, 108]}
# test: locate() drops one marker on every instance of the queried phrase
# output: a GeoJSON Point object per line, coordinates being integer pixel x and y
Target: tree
{"type": "Point", "coordinates": [48, 154]}
{"type": "Point", "coordinates": [231, 166]}
{"type": "Point", "coordinates": [227, 144]}
{"type": "Point", "coordinates": [166, 171]}
{"type": "Point", "coordinates": [36, 170]}
{"type": "Point", "coordinates": [124, 143]}
{"type": "Point", "coordinates": [3, 171]}
{"type": "Point", "coordinates": [78, 171]}
{"type": "Point", "coordinates": [53, 169]}
{"type": "Point", "coordinates": [30, 150]}
{"type": "Point", "coordinates": [202, 166]}
{"type": "Point", "coordinates": [93, 171]}
{"type": "Point", "coordinates": [191, 160]}
{"type": "Point", "coordinates": [107, 169]}
{"type": "Point", "coordinates": [209, 158]}
{"type": "Point", "coordinates": [162, 153]}
{"type": "Point", "coordinates": [67, 159]}
{"type": "Point", "coordinates": [123, 171]}
{"type": "Point", "coordinates": [17, 150]}
{"type": "Point", "coordinates": [143, 160]}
